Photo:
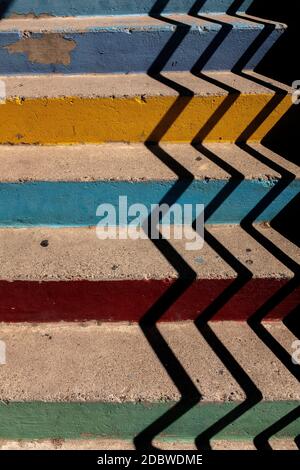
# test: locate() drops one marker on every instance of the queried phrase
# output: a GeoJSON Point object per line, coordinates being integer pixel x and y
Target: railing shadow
{"type": "Point", "coordinates": [261, 441]}
{"type": "Point", "coordinates": [255, 321]}
{"type": "Point", "coordinates": [157, 134]}
{"type": "Point", "coordinates": [186, 276]}
{"type": "Point", "coordinates": [145, 438]}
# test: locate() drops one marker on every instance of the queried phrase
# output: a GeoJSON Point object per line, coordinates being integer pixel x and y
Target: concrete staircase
{"type": "Point", "coordinates": [127, 343]}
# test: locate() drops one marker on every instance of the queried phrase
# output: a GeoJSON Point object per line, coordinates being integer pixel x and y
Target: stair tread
{"type": "Point", "coordinates": [115, 363]}
{"type": "Point", "coordinates": [135, 162]}
{"type": "Point", "coordinates": [139, 22]}
{"type": "Point", "coordinates": [139, 84]}
{"type": "Point", "coordinates": [77, 254]}
{"type": "Point", "coordinates": [119, 444]}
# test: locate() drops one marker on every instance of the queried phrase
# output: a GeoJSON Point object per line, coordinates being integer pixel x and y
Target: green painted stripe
{"type": "Point", "coordinates": [39, 420]}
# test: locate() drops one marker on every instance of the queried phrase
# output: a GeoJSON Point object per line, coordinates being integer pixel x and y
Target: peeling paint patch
{"type": "Point", "coordinates": [49, 49]}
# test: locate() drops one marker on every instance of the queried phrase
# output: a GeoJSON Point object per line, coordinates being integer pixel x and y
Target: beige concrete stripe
{"type": "Point", "coordinates": [70, 362]}
{"type": "Point", "coordinates": [78, 23]}
{"type": "Point", "coordinates": [77, 254]}
{"type": "Point", "coordinates": [103, 444]}
{"type": "Point", "coordinates": [130, 162]}
{"type": "Point", "coordinates": [130, 85]}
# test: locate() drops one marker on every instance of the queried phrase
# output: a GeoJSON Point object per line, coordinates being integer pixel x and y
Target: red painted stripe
{"type": "Point", "coordinates": [26, 301]}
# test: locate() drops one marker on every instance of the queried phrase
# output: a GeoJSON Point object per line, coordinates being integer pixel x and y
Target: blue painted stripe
{"type": "Point", "coordinates": [118, 50]}
{"type": "Point", "coordinates": [75, 203]}
{"type": "Point", "coordinates": [112, 7]}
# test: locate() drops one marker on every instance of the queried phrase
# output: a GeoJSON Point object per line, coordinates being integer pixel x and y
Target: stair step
{"type": "Point", "coordinates": [34, 180]}
{"type": "Point", "coordinates": [121, 44]}
{"type": "Point", "coordinates": [59, 109]}
{"type": "Point", "coordinates": [114, 444]}
{"type": "Point", "coordinates": [111, 7]}
{"type": "Point", "coordinates": [108, 380]}
{"type": "Point", "coordinates": [76, 276]}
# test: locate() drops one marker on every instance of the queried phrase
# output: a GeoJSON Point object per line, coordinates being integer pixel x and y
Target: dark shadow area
{"type": "Point", "coordinates": [283, 137]}
{"type": "Point", "coordinates": [4, 5]}
{"type": "Point", "coordinates": [287, 221]}
{"type": "Point", "coordinates": [279, 62]}
{"type": "Point", "coordinates": [292, 322]}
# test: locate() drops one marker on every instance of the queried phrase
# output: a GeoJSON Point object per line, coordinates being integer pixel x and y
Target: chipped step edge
{"type": "Point", "coordinates": [132, 23]}
{"type": "Point", "coordinates": [110, 444]}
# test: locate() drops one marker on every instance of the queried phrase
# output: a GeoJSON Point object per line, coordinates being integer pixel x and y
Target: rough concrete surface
{"type": "Point", "coordinates": [114, 85]}
{"type": "Point", "coordinates": [131, 162]}
{"type": "Point", "coordinates": [109, 444]}
{"type": "Point", "coordinates": [141, 22]}
{"type": "Point", "coordinates": [76, 362]}
{"type": "Point", "coordinates": [74, 254]}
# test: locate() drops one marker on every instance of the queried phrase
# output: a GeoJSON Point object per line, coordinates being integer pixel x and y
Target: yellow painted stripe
{"type": "Point", "coordinates": [95, 120]}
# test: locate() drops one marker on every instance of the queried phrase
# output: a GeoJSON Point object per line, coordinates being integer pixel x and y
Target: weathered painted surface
{"type": "Point", "coordinates": [130, 300]}
{"type": "Point", "coordinates": [126, 420]}
{"type": "Point", "coordinates": [111, 7]}
{"type": "Point", "coordinates": [54, 49]}
{"type": "Point", "coordinates": [39, 203]}
{"type": "Point", "coordinates": [133, 119]}
{"type": "Point", "coordinates": [134, 47]}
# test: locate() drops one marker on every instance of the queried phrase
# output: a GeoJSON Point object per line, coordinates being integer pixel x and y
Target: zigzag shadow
{"type": "Point", "coordinates": [253, 394]}
{"type": "Point", "coordinates": [284, 224]}
{"type": "Point", "coordinates": [145, 438]}
{"type": "Point", "coordinates": [255, 322]}
{"type": "Point", "coordinates": [261, 441]}
{"type": "Point", "coordinates": [286, 179]}
{"type": "Point", "coordinates": [190, 395]}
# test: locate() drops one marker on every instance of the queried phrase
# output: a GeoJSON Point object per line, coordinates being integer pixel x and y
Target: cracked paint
{"type": "Point", "coordinates": [49, 49]}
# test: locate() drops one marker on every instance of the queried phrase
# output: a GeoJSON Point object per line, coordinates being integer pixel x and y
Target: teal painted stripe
{"type": "Point", "coordinates": [37, 420]}
{"type": "Point", "coordinates": [112, 7]}
{"type": "Point", "coordinates": [75, 203]}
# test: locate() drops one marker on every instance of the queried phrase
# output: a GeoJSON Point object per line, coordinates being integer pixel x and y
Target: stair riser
{"type": "Point", "coordinates": [127, 51]}
{"type": "Point", "coordinates": [113, 7]}
{"type": "Point", "coordinates": [73, 120]}
{"type": "Point", "coordinates": [39, 203]}
{"type": "Point", "coordinates": [116, 300]}
{"type": "Point", "coordinates": [82, 420]}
